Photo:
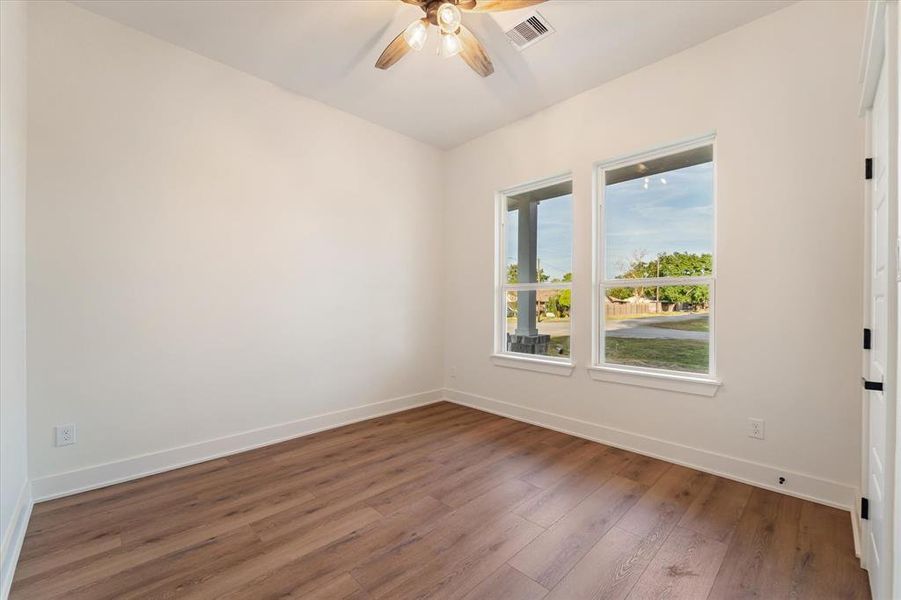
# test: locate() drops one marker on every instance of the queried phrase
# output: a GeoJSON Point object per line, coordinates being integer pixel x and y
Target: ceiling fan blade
{"type": "Point", "coordinates": [393, 52]}
{"type": "Point", "coordinates": [474, 54]}
{"type": "Point", "coordinates": [495, 5]}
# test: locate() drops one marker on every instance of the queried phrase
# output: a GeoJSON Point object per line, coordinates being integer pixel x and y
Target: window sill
{"type": "Point", "coordinates": [687, 384]}
{"type": "Point", "coordinates": [553, 367]}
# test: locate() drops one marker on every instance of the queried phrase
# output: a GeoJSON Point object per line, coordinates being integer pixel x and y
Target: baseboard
{"type": "Point", "coordinates": [13, 538]}
{"type": "Point", "coordinates": [97, 476]}
{"type": "Point", "coordinates": [855, 530]}
{"type": "Point", "coordinates": [801, 485]}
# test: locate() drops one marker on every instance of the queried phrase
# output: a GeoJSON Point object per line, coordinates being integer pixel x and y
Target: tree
{"type": "Point", "coordinates": [561, 303]}
{"type": "Point", "coordinates": [637, 268]}
{"type": "Point", "coordinates": [676, 264]}
{"type": "Point", "coordinates": [619, 293]}
{"type": "Point", "coordinates": [513, 274]}
{"type": "Point", "coordinates": [685, 264]}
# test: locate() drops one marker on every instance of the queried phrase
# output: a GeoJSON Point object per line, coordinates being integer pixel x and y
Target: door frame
{"type": "Point", "coordinates": [880, 45]}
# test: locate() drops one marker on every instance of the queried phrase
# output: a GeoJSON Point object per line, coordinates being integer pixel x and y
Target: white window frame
{"type": "Point", "coordinates": [705, 384]}
{"type": "Point", "coordinates": [501, 356]}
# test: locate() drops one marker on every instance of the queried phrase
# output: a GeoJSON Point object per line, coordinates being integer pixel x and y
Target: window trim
{"type": "Point", "coordinates": [549, 365]}
{"type": "Point", "coordinates": [500, 356]}
{"type": "Point", "coordinates": [703, 383]}
{"type": "Point", "coordinates": [650, 378]}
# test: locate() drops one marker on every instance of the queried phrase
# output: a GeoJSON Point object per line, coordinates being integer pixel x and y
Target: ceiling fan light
{"type": "Point", "coordinates": [416, 34]}
{"type": "Point", "coordinates": [449, 18]}
{"type": "Point", "coordinates": [450, 45]}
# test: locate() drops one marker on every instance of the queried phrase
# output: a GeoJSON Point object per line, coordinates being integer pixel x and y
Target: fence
{"type": "Point", "coordinates": [625, 309]}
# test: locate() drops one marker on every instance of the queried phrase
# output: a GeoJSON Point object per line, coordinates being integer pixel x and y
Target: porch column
{"type": "Point", "coordinates": [526, 323]}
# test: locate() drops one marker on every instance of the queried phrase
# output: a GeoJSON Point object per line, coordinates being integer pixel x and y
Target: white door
{"type": "Point", "coordinates": [878, 479]}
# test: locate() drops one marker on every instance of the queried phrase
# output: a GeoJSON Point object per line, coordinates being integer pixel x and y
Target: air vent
{"type": "Point", "coordinates": [527, 31]}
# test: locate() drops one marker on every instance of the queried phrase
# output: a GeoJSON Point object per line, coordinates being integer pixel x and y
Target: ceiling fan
{"type": "Point", "coordinates": [455, 38]}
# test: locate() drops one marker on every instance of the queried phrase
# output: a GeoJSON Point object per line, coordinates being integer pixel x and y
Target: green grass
{"type": "Point", "coordinates": [674, 313]}
{"type": "Point", "coordinates": [674, 355]}
{"type": "Point", "coordinates": [563, 343]}
{"type": "Point", "coordinates": [699, 324]}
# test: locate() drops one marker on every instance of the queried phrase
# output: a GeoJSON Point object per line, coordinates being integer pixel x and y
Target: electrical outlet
{"type": "Point", "coordinates": [453, 372]}
{"type": "Point", "coordinates": [65, 435]}
{"type": "Point", "coordinates": [756, 428]}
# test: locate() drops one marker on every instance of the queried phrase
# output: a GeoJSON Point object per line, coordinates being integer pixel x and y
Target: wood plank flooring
{"type": "Point", "coordinates": [437, 502]}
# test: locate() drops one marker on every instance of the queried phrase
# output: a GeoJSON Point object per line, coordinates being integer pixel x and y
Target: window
{"type": "Point", "coordinates": [655, 263]}
{"type": "Point", "coordinates": [534, 274]}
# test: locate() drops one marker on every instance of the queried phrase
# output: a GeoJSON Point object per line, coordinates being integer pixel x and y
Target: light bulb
{"type": "Point", "coordinates": [416, 33]}
{"type": "Point", "coordinates": [450, 45]}
{"type": "Point", "coordinates": [449, 18]}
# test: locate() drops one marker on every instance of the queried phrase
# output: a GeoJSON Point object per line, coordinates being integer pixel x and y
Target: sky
{"type": "Point", "coordinates": [676, 216]}
{"type": "Point", "coordinates": [673, 217]}
{"type": "Point", "coordinates": [555, 234]}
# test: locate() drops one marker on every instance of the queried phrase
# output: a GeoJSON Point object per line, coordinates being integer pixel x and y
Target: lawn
{"type": "Point", "coordinates": [645, 315]}
{"type": "Point", "coordinates": [562, 351]}
{"type": "Point", "coordinates": [674, 355]}
{"type": "Point", "coordinates": [699, 324]}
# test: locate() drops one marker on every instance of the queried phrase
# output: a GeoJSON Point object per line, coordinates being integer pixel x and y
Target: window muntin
{"type": "Point", "coordinates": [656, 262]}
{"type": "Point", "coordinates": [535, 279]}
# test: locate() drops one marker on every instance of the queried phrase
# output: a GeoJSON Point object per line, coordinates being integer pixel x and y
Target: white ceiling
{"type": "Point", "coordinates": [326, 49]}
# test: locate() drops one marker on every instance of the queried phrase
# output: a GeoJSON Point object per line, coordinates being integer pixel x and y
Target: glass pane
{"type": "Point", "coordinates": [658, 217]}
{"type": "Point", "coordinates": [538, 235]}
{"type": "Point", "coordinates": [658, 327]}
{"type": "Point", "coordinates": [537, 322]}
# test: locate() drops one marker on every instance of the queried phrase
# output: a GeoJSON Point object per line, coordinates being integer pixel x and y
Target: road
{"type": "Point", "coordinates": [633, 328]}
{"type": "Point", "coordinates": [638, 328]}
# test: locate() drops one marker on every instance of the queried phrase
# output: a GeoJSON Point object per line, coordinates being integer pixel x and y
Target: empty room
{"type": "Point", "coordinates": [433, 299]}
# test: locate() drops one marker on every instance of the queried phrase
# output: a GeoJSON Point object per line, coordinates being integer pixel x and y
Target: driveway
{"type": "Point", "coordinates": [554, 328]}
{"type": "Point", "coordinates": [638, 328]}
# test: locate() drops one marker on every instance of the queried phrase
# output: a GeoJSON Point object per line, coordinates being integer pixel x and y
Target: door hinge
{"type": "Point", "coordinates": [865, 509]}
{"type": "Point", "coordinates": [867, 337]}
{"type": "Point", "coordinates": [868, 168]}
{"type": "Point", "coordinates": [875, 386]}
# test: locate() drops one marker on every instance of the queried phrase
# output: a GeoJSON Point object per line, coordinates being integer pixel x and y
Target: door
{"type": "Point", "coordinates": [878, 460]}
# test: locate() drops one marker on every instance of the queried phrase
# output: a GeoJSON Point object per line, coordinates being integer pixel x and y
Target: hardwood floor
{"type": "Point", "coordinates": [437, 502]}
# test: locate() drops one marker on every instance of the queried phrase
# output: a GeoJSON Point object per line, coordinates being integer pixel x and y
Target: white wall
{"type": "Point", "coordinates": [781, 94]}
{"type": "Point", "coordinates": [209, 254]}
{"type": "Point", "coordinates": [13, 122]}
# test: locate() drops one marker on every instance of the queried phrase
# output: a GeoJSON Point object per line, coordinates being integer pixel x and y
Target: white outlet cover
{"type": "Point", "coordinates": [65, 435]}
{"type": "Point", "coordinates": [756, 429]}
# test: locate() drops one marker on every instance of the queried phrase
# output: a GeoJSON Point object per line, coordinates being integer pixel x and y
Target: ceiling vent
{"type": "Point", "coordinates": [526, 29]}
